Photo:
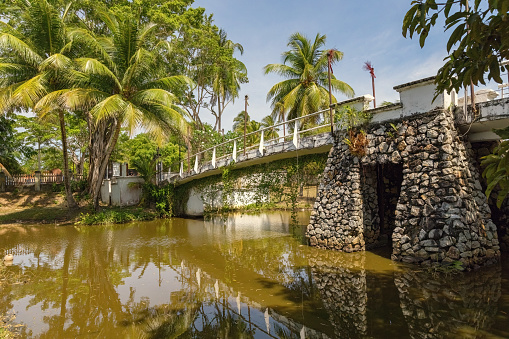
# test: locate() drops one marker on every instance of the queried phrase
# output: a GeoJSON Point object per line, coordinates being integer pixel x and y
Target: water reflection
{"type": "Point", "coordinates": [239, 276]}
{"type": "Point", "coordinates": [464, 306]}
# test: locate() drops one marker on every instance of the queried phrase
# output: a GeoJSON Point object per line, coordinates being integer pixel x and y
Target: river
{"type": "Point", "coordinates": [235, 276]}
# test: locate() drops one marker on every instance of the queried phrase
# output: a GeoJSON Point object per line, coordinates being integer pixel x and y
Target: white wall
{"type": "Point", "coordinates": [126, 191]}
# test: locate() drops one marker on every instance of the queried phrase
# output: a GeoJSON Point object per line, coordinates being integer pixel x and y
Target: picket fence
{"type": "Point", "coordinates": [46, 178]}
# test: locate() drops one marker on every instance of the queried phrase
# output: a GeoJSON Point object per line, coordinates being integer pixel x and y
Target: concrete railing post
{"type": "Point", "coordinates": [3, 182]}
{"type": "Point", "coordinates": [181, 171]}
{"type": "Point", "coordinates": [214, 158]}
{"type": "Point", "coordinates": [296, 134]}
{"type": "Point", "coordinates": [196, 164]}
{"type": "Point", "coordinates": [261, 144]}
{"type": "Point", "coordinates": [234, 155]}
{"type": "Point", "coordinates": [37, 181]}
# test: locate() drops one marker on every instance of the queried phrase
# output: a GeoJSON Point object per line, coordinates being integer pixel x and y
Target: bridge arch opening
{"type": "Point", "coordinates": [381, 189]}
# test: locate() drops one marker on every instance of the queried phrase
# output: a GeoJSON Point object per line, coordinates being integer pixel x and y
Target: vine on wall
{"type": "Point", "coordinates": [280, 181]}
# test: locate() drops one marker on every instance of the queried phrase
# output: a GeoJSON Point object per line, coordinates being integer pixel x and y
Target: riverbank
{"type": "Point", "coordinates": [22, 208]}
{"type": "Point", "coordinates": [35, 207]}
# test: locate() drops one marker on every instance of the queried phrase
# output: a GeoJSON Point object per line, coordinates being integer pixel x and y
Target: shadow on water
{"type": "Point", "coordinates": [235, 276]}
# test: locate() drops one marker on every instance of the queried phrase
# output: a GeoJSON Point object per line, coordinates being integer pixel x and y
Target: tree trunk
{"type": "Point", "coordinates": [100, 134]}
{"type": "Point", "coordinates": [219, 113]}
{"type": "Point", "coordinates": [67, 184]}
{"type": "Point", "coordinates": [104, 163]}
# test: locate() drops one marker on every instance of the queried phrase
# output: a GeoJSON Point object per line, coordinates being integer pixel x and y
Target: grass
{"type": "Point", "coordinates": [271, 206]}
{"type": "Point", "coordinates": [50, 208]}
{"type": "Point", "coordinates": [40, 215]}
{"type": "Point", "coordinates": [115, 216]}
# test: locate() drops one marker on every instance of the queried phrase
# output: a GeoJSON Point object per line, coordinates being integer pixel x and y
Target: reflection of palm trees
{"type": "Point", "coordinates": [161, 322]}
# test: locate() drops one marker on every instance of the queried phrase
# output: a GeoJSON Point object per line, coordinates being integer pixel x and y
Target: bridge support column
{"type": "Point", "coordinates": [337, 219]}
{"type": "Point", "coordinates": [442, 214]}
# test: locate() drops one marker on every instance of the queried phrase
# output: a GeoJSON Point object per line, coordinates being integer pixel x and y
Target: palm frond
{"type": "Point", "coordinates": [94, 66]}
{"type": "Point", "coordinates": [110, 107]}
{"type": "Point", "coordinates": [55, 62]}
{"type": "Point", "coordinates": [31, 91]}
{"type": "Point", "coordinates": [20, 48]}
{"type": "Point", "coordinates": [172, 83]}
{"type": "Point", "coordinates": [153, 96]}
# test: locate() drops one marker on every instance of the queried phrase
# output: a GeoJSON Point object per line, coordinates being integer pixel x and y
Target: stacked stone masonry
{"type": "Point", "coordinates": [441, 215]}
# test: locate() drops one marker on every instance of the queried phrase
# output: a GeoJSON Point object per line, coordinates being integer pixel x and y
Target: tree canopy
{"type": "Point", "coordinates": [102, 67]}
{"type": "Point", "coordinates": [478, 40]}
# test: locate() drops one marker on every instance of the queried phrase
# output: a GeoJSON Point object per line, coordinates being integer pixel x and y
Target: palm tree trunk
{"type": "Point", "coordinates": [219, 114]}
{"type": "Point", "coordinates": [67, 184]}
{"type": "Point", "coordinates": [104, 164]}
{"type": "Point", "coordinates": [99, 137]}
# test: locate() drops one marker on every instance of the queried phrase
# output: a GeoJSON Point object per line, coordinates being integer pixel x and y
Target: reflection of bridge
{"type": "Point", "coordinates": [415, 97]}
{"type": "Point", "coordinates": [257, 297]}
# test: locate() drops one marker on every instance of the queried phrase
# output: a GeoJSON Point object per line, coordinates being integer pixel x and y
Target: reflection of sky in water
{"type": "Point", "coordinates": [132, 276]}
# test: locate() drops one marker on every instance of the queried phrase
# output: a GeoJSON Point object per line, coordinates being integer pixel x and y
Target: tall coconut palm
{"type": "Point", "coordinates": [228, 74]}
{"type": "Point", "coordinates": [305, 67]}
{"type": "Point", "coordinates": [124, 85]}
{"type": "Point", "coordinates": [32, 64]}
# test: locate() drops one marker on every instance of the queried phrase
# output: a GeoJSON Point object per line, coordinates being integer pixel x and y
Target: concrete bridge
{"type": "Point", "coordinates": [414, 185]}
{"type": "Point", "coordinates": [415, 97]}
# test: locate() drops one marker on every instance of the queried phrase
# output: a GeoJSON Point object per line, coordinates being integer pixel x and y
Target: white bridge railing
{"type": "Point", "coordinates": [224, 153]}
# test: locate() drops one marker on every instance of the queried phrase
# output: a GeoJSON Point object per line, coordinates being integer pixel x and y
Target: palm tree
{"type": "Point", "coordinates": [123, 86]}
{"type": "Point", "coordinates": [305, 67]}
{"type": "Point", "coordinates": [32, 64]}
{"type": "Point", "coordinates": [251, 126]}
{"type": "Point", "coordinates": [238, 122]}
{"type": "Point", "coordinates": [229, 73]}
{"type": "Point", "coordinates": [268, 121]}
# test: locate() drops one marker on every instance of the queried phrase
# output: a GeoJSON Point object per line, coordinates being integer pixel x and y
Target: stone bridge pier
{"type": "Point", "coordinates": [415, 186]}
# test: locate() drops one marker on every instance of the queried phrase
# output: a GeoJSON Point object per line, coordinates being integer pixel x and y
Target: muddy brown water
{"type": "Point", "coordinates": [235, 276]}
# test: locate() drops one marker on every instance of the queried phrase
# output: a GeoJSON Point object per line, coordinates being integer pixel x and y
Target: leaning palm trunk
{"type": "Point", "coordinates": [67, 184]}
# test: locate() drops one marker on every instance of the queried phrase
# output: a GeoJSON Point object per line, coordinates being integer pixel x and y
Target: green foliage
{"type": "Point", "coordinates": [496, 171]}
{"type": "Point", "coordinates": [206, 137]}
{"type": "Point", "coordinates": [140, 153]}
{"type": "Point", "coordinates": [478, 39]}
{"type": "Point", "coordinates": [228, 182]}
{"type": "Point", "coordinates": [12, 146]}
{"type": "Point", "coordinates": [447, 269]}
{"type": "Point", "coordinates": [305, 68]}
{"type": "Point", "coordinates": [279, 181]}
{"type": "Point", "coordinates": [163, 198]}
{"type": "Point", "coordinates": [350, 119]}
{"type": "Point", "coordinates": [347, 117]}
{"type": "Point", "coordinates": [114, 216]}
{"type": "Point", "coordinates": [79, 185]}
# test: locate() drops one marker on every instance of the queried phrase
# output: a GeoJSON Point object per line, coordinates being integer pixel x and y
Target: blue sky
{"type": "Point", "coordinates": [362, 30]}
